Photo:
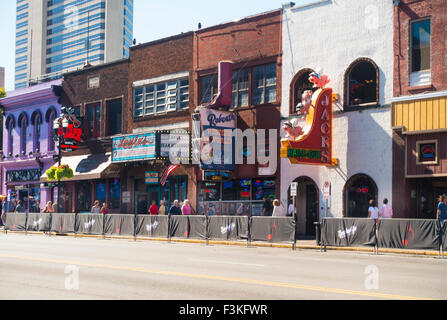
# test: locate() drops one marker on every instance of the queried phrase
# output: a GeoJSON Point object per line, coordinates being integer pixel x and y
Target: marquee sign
{"type": "Point", "coordinates": [134, 147]}
{"type": "Point", "coordinates": [176, 144]}
{"type": "Point", "coordinates": [310, 138]}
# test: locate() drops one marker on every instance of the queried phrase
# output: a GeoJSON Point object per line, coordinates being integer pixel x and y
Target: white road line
{"type": "Point", "coordinates": [228, 262]}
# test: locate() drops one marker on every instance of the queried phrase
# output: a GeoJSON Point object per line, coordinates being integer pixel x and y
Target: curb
{"type": "Point", "coordinates": [243, 243]}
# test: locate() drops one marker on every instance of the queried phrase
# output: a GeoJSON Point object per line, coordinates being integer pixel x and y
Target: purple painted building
{"type": "Point", "coordinates": [28, 146]}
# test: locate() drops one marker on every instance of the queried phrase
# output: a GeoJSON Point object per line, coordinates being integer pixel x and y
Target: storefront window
{"type": "Point", "coordinates": [84, 196]}
{"type": "Point", "coordinates": [34, 198]}
{"type": "Point", "coordinates": [230, 190]}
{"type": "Point", "coordinates": [209, 191]}
{"type": "Point", "coordinates": [183, 188]}
{"type": "Point", "coordinates": [244, 189]}
{"type": "Point", "coordinates": [101, 192]}
{"type": "Point", "coordinates": [115, 192]}
{"type": "Point", "coordinates": [263, 188]}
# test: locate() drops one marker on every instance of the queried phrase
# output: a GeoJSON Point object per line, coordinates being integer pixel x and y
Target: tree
{"type": "Point", "coordinates": [2, 93]}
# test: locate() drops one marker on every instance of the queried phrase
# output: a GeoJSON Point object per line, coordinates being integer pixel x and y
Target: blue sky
{"type": "Point", "coordinates": [153, 19]}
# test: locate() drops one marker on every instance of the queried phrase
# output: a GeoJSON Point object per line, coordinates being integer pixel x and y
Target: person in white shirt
{"type": "Point", "coordinates": [386, 211]}
{"type": "Point", "coordinates": [373, 211]}
{"type": "Point", "coordinates": [291, 209]}
{"type": "Point", "coordinates": [278, 209]}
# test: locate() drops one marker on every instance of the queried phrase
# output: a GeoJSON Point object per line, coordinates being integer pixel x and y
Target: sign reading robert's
{"type": "Point", "coordinates": [309, 138]}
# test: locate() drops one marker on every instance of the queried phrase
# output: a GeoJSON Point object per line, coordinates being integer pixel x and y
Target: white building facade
{"type": "Point", "coordinates": [351, 42]}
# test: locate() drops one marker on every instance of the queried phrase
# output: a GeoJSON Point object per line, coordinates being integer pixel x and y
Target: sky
{"type": "Point", "coordinates": [153, 19]}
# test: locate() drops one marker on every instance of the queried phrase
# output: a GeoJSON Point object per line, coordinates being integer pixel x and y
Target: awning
{"type": "Point", "coordinates": [86, 167]}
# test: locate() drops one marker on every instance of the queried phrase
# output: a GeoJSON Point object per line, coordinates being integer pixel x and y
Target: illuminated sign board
{"type": "Point", "coordinates": [310, 137]}
{"type": "Point", "coordinates": [134, 147]}
{"type": "Point", "coordinates": [176, 143]}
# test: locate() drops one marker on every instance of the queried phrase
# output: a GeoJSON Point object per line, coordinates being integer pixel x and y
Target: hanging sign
{"type": "Point", "coordinates": [134, 147]}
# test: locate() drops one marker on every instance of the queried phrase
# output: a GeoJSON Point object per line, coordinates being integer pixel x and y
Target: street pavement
{"type": "Point", "coordinates": [62, 268]}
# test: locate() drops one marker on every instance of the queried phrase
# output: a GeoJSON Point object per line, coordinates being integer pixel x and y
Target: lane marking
{"type": "Point", "coordinates": [228, 262]}
{"type": "Point", "coordinates": [220, 278]}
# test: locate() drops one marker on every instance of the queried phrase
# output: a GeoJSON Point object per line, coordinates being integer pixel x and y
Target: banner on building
{"type": "Point", "coordinates": [228, 228]}
{"type": "Point", "coordinates": [122, 225]}
{"type": "Point", "coordinates": [16, 221]}
{"type": "Point", "coordinates": [348, 232]}
{"type": "Point", "coordinates": [152, 226]}
{"type": "Point", "coordinates": [40, 222]}
{"type": "Point", "coordinates": [63, 223]}
{"type": "Point", "coordinates": [272, 229]}
{"type": "Point", "coordinates": [408, 234]}
{"type": "Point", "coordinates": [134, 147]}
{"type": "Point", "coordinates": [90, 224]}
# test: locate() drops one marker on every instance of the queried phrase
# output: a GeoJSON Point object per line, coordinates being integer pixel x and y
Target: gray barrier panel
{"type": "Point", "coordinates": [348, 232]}
{"type": "Point", "coordinates": [87, 223]}
{"type": "Point", "coordinates": [152, 226]}
{"type": "Point", "coordinates": [39, 222]}
{"type": "Point", "coordinates": [115, 224]}
{"type": "Point", "coordinates": [197, 227]}
{"type": "Point", "coordinates": [15, 221]}
{"type": "Point", "coordinates": [179, 226]}
{"type": "Point", "coordinates": [227, 227]}
{"type": "Point", "coordinates": [444, 235]}
{"type": "Point", "coordinates": [63, 223]}
{"type": "Point", "coordinates": [272, 229]}
{"type": "Point", "coordinates": [408, 234]}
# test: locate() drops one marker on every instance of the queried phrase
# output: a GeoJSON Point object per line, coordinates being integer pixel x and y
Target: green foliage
{"type": "Point", "coordinates": [59, 173]}
{"type": "Point", "coordinates": [2, 93]}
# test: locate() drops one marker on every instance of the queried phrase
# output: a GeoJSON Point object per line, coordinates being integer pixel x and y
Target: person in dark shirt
{"type": "Point", "coordinates": [267, 208]}
{"type": "Point", "coordinates": [175, 209]}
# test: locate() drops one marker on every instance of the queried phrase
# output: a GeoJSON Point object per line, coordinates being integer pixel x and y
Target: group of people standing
{"type": "Point", "coordinates": [175, 210]}
{"type": "Point", "coordinates": [386, 212]}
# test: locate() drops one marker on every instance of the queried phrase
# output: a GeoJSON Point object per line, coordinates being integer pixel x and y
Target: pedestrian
{"type": "Point", "coordinates": [267, 208]}
{"type": "Point", "coordinates": [49, 208]}
{"type": "Point", "coordinates": [186, 208]}
{"type": "Point", "coordinates": [291, 209]}
{"type": "Point", "coordinates": [175, 209]}
{"type": "Point", "coordinates": [96, 208]}
{"type": "Point", "coordinates": [105, 209]}
{"type": "Point", "coordinates": [373, 211]}
{"type": "Point", "coordinates": [153, 209]}
{"type": "Point", "coordinates": [441, 213]}
{"type": "Point", "coordinates": [278, 209]}
{"type": "Point", "coordinates": [386, 211]}
{"type": "Point", "coordinates": [162, 209]}
{"type": "Point", "coordinates": [20, 207]}
{"type": "Point", "coordinates": [4, 211]}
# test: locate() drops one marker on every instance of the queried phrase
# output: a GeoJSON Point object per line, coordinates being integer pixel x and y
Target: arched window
{"type": "Point", "coordinates": [10, 124]}
{"type": "Point", "coordinates": [299, 85]}
{"type": "Point", "coordinates": [36, 120]}
{"type": "Point", "coordinates": [50, 116]}
{"type": "Point", "coordinates": [362, 83]}
{"type": "Point", "coordinates": [23, 125]}
{"type": "Point", "coordinates": [358, 191]}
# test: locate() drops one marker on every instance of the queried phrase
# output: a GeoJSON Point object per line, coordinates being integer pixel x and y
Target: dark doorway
{"type": "Point", "coordinates": [311, 209]}
{"type": "Point", "coordinates": [359, 190]}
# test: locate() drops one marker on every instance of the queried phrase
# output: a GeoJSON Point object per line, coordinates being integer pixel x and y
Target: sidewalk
{"type": "Point", "coordinates": [300, 244]}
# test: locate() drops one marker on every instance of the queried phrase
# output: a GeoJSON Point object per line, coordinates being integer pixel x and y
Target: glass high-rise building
{"type": "Point", "coordinates": [54, 36]}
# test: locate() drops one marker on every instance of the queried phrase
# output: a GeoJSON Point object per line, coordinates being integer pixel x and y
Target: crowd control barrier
{"type": "Point", "coordinates": [197, 227]}
{"type": "Point", "coordinates": [228, 228]}
{"type": "Point", "coordinates": [40, 222]}
{"type": "Point", "coordinates": [348, 232]}
{"type": "Point", "coordinates": [16, 221]}
{"type": "Point", "coordinates": [272, 229]}
{"type": "Point", "coordinates": [119, 225]}
{"type": "Point", "coordinates": [63, 223]}
{"type": "Point", "coordinates": [90, 224]}
{"type": "Point", "coordinates": [444, 235]}
{"type": "Point", "coordinates": [151, 226]}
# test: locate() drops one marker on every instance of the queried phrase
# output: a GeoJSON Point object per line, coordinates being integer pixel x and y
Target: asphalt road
{"type": "Point", "coordinates": [62, 268]}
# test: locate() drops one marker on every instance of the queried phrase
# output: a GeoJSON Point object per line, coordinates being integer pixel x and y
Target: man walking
{"type": "Point", "coordinates": [441, 214]}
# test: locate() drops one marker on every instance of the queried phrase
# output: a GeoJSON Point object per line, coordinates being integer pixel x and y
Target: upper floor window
{"type": "Point", "coordinates": [50, 116]}
{"type": "Point", "coordinates": [114, 113]}
{"type": "Point", "coordinates": [362, 85]}
{"type": "Point", "coordinates": [256, 85]}
{"type": "Point", "coordinates": [299, 85]}
{"type": "Point", "coordinates": [10, 124]}
{"type": "Point", "coordinates": [420, 45]}
{"type": "Point", "coordinates": [36, 120]}
{"type": "Point", "coordinates": [161, 97]}
{"type": "Point", "coordinates": [23, 125]}
{"type": "Point", "coordinates": [93, 113]}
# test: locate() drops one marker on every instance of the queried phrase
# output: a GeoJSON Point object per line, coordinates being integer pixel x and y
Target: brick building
{"type": "Point", "coordinates": [98, 95]}
{"type": "Point", "coordinates": [419, 116]}
{"type": "Point", "coordinates": [253, 46]}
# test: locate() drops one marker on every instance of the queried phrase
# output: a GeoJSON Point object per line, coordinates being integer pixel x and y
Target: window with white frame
{"type": "Point", "coordinates": [264, 84]}
{"type": "Point", "coordinates": [161, 97]}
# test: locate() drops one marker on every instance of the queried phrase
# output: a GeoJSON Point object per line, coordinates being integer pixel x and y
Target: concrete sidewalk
{"type": "Point", "coordinates": [300, 244]}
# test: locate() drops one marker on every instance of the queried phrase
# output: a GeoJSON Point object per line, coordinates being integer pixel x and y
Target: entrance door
{"type": "Point", "coordinates": [68, 202]}
{"type": "Point", "coordinates": [311, 209]}
{"type": "Point", "coordinates": [153, 194]}
{"type": "Point", "coordinates": [141, 201]}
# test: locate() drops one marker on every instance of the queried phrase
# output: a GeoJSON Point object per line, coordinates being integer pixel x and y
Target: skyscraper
{"type": "Point", "coordinates": [53, 36]}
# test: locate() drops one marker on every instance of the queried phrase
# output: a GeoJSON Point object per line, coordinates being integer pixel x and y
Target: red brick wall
{"type": "Point", "coordinates": [159, 58]}
{"type": "Point", "coordinates": [411, 10]}
{"type": "Point", "coordinates": [249, 42]}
